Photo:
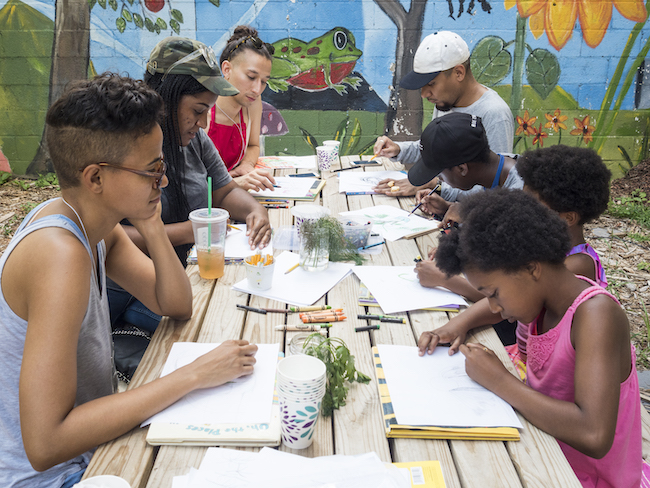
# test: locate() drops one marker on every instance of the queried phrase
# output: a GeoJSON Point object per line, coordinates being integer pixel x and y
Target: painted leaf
{"type": "Point", "coordinates": [121, 24]}
{"type": "Point", "coordinates": [490, 61]}
{"type": "Point", "coordinates": [309, 139]}
{"type": "Point", "coordinates": [126, 15]}
{"type": "Point", "coordinates": [176, 27]}
{"type": "Point", "coordinates": [176, 14]}
{"type": "Point", "coordinates": [310, 409]}
{"type": "Point", "coordinates": [113, 4]}
{"type": "Point", "coordinates": [102, 3]}
{"type": "Point", "coordinates": [149, 24]}
{"type": "Point", "coordinates": [91, 3]}
{"type": "Point", "coordinates": [137, 20]}
{"type": "Point", "coordinates": [341, 130]}
{"type": "Point", "coordinates": [160, 22]}
{"type": "Point", "coordinates": [216, 3]}
{"type": "Point", "coordinates": [542, 71]}
{"type": "Point", "coordinates": [355, 136]}
{"type": "Point", "coordinates": [305, 434]}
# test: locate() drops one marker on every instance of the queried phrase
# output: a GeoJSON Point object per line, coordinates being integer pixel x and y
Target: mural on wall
{"type": "Point", "coordinates": [572, 72]}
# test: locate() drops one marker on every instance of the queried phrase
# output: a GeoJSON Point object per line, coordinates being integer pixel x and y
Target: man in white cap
{"type": "Point", "coordinates": [441, 71]}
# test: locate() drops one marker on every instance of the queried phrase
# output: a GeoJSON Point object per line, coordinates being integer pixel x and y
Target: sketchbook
{"type": "Point", "coordinates": [362, 183]}
{"type": "Point", "coordinates": [393, 223]}
{"type": "Point", "coordinates": [366, 299]}
{"type": "Point", "coordinates": [467, 410]}
{"type": "Point", "coordinates": [292, 189]}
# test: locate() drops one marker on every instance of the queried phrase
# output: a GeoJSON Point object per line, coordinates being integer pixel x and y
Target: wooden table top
{"type": "Point", "coordinates": [534, 461]}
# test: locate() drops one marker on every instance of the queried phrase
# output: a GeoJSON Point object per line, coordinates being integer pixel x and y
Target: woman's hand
{"type": "Point", "coordinates": [227, 362]}
{"type": "Point", "coordinates": [256, 180]}
{"type": "Point", "coordinates": [258, 227]}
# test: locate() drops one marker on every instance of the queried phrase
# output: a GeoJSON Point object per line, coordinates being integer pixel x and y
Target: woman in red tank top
{"type": "Point", "coordinates": [235, 121]}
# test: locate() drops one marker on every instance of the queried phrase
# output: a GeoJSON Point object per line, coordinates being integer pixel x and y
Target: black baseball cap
{"type": "Point", "coordinates": [449, 140]}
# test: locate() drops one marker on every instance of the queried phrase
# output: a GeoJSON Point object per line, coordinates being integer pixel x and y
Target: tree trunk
{"type": "Point", "coordinates": [404, 114]}
{"type": "Point", "coordinates": [70, 58]}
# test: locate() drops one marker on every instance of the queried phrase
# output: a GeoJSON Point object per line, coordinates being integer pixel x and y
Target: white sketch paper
{"type": "Point", "coordinates": [289, 188]}
{"type": "Point", "coordinates": [299, 287]}
{"type": "Point", "coordinates": [287, 162]}
{"type": "Point", "coordinates": [362, 182]}
{"type": "Point", "coordinates": [435, 390]}
{"type": "Point", "coordinates": [245, 400]}
{"type": "Point", "coordinates": [393, 223]}
{"type": "Point", "coordinates": [397, 289]}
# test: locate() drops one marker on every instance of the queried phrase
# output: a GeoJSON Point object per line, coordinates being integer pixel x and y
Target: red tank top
{"type": "Point", "coordinates": [228, 139]}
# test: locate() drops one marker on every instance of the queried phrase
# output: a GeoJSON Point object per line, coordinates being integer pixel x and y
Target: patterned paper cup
{"type": "Point", "coordinates": [337, 146]}
{"type": "Point", "coordinates": [298, 422]}
{"type": "Point", "coordinates": [325, 156]}
{"type": "Point", "coordinates": [308, 212]}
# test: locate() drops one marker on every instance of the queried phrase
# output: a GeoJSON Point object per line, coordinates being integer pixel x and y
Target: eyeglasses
{"type": "Point", "coordinates": [257, 44]}
{"type": "Point", "coordinates": [158, 174]}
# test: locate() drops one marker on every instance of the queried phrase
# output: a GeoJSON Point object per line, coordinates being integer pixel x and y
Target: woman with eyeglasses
{"type": "Point", "coordinates": [235, 120]}
{"type": "Point", "coordinates": [186, 74]}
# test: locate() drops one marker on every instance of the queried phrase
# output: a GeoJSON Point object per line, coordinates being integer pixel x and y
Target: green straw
{"type": "Point", "coordinates": [209, 213]}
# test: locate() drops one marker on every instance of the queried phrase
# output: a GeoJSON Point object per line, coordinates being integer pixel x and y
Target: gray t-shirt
{"type": "Point", "coordinates": [497, 120]}
{"type": "Point", "coordinates": [201, 160]}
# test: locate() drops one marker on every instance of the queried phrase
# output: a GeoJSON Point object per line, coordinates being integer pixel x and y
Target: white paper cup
{"type": "Point", "coordinates": [337, 146]}
{"type": "Point", "coordinates": [259, 277]}
{"type": "Point", "coordinates": [308, 212]}
{"type": "Point", "coordinates": [301, 370]}
{"type": "Point", "coordinates": [298, 422]}
{"type": "Point", "coordinates": [325, 157]}
{"type": "Point", "coordinates": [103, 481]}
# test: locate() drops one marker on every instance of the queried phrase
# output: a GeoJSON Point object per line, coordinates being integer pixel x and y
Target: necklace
{"type": "Point", "coordinates": [241, 134]}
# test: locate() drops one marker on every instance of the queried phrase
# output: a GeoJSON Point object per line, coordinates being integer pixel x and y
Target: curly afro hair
{"type": "Point", "coordinates": [503, 230]}
{"type": "Point", "coordinates": [567, 179]}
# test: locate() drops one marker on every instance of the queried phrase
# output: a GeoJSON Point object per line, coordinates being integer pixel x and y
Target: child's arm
{"type": "Point", "coordinates": [455, 331]}
{"type": "Point", "coordinates": [581, 264]}
{"type": "Point", "coordinates": [430, 276]}
{"type": "Point", "coordinates": [601, 340]}
{"type": "Point", "coordinates": [53, 429]}
{"type": "Point", "coordinates": [158, 281]}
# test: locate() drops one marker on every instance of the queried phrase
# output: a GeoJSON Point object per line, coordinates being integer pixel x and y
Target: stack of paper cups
{"type": "Point", "coordinates": [336, 145]}
{"type": "Point", "coordinates": [301, 386]}
{"type": "Point", "coordinates": [308, 212]}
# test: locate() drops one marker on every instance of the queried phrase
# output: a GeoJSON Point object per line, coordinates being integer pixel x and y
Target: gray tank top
{"type": "Point", "coordinates": [95, 367]}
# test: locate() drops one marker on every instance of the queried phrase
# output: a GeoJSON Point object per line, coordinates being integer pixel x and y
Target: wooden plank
{"type": "Point", "coordinates": [174, 461]}
{"type": "Point", "coordinates": [129, 456]}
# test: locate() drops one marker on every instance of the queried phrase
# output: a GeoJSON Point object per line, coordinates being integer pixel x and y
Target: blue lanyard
{"type": "Point", "coordinates": [497, 177]}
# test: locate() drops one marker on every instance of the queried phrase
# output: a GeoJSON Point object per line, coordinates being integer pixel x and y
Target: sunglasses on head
{"type": "Point", "coordinates": [158, 174]}
{"type": "Point", "coordinates": [205, 51]}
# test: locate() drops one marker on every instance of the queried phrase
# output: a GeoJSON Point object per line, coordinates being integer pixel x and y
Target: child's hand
{"type": "Point", "coordinates": [227, 362]}
{"type": "Point", "coordinates": [449, 333]}
{"type": "Point", "coordinates": [429, 274]}
{"type": "Point", "coordinates": [482, 365]}
{"type": "Point", "coordinates": [451, 215]}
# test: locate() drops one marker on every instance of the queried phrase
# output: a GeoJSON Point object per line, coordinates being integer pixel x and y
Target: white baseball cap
{"type": "Point", "coordinates": [437, 52]}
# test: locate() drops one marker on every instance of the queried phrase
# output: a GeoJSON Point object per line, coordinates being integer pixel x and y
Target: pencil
{"type": "Point", "coordinates": [371, 245]}
{"type": "Point", "coordinates": [345, 169]}
{"type": "Point", "coordinates": [422, 201]}
{"type": "Point", "coordinates": [232, 226]}
{"type": "Point", "coordinates": [291, 269]}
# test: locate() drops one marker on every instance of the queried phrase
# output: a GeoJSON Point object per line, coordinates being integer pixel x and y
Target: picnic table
{"type": "Point", "coordinates": [358, 427]}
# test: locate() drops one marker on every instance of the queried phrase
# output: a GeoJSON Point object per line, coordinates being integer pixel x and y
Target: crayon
{"type": "Point", "coordinates": [310, 309]}
{"type": "Point", "coordinates": [366, 327]}
{"type": "Point", "coordinates": [418, 259]}
{"type": "Point", "coordinates": [251, 309]}
{"type": "Point", "coordinates": [383, 318]}
{"type": "Point", "coordinates": [303, 327]}
{"type": "Point", "coordinates": [331, 318]}
{"type": "Point", "coordinates": [334, 311]}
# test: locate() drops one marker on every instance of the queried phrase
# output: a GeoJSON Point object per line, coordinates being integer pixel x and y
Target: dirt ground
{"type": "Point", "coordinates": [625, 255]}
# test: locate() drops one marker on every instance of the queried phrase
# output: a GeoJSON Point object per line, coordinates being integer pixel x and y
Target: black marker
{"type": "Point", "coordinates": [251, 309]}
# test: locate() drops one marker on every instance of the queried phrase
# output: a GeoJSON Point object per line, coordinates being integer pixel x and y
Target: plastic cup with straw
{"type": "Point", "coordinates": [209, 213]}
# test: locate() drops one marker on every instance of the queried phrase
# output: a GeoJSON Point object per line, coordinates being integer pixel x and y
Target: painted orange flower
{"type": "Point", "coordinates": [555, 121]}
{"type": "Point", "coordinates": [583, 129]}
{"type": "Point", "coordinates": [558, 17]}
{"type": "Point", "coordinates": [526, 125]}
{"type": "Point", "coordinates": [539, 136]}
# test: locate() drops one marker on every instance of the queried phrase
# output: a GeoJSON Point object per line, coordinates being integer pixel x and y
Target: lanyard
{"type": "Point", "coordinates": [497, 177]}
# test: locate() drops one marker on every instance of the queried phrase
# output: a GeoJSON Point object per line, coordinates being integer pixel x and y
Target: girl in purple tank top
{"type": "Point", "coordinates": [577, 332]}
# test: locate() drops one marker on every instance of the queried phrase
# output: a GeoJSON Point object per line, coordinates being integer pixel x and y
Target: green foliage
{"type": "Point", "coordinates": [349, 137]}
{"type": "Point", "coordinates": [28, 207]}
{"type": "Point", "coordinates": [340, 370]}
{"type": "Point", "coordinates": [542, 71]}
{"type": "Point", "coordinates": [340, 249]}
{"type": "Point", "coordinates": [639, 237]}
{"type": "Point", "coordinates": [5, 177]}
{"type": "Point", "coordinates": [634, 207]}
{"type": "Point", "coordinates": [643, 266]}
{"type": "Point", "coordinates": [22, 184]}
{"type": "Point", "coordinates": [48, 179]}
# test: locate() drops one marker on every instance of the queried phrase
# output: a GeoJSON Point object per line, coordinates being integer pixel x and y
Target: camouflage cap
{"type": "Point", "coordinates": [183, 56]}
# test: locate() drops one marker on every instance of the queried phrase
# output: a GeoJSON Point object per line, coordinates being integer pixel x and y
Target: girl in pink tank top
{"type": "Point", "coordinates": [582, 384]}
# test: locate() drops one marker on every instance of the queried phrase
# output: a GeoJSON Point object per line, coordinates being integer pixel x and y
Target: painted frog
{"type": "Point", "coordinates": [322, 63]}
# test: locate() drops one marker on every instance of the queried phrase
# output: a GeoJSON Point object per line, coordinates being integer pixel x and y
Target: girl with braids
{"type": "Point", "coordinates": [582, 386]}
{"type": "Point", "coordinates": [186, 75]}
{"type": "Point", "coordinates": [235, 121]}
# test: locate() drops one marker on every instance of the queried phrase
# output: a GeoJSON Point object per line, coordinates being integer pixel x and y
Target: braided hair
{"type": "Point", "coordinates": [244, 38]}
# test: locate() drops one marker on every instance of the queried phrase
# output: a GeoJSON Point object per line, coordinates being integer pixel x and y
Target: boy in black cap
{"type": "Point", "coordinates": [455, 148]}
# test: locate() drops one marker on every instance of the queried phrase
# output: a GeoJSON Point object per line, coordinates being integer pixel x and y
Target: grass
{"type": "Point", "coordinates": [643, 345]}
{"type": "Point", "coordinates": [635, 207]}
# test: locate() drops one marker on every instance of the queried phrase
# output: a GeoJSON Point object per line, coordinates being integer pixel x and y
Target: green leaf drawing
{"type": "Point", "coordinates": [149, 24]}
{"type": "Point", "coordinates": [490, 61]}
{"type": "Point", "coordinates": [137, 20]}
{"type": "Point", "coordinates": [176, 14]}
{"type": "Point", "coordinates": [355, 136]}
{"type": "Point", "coordinates": [91, 4]}
{"type": "Point", "coordinates": [160, 22]}
{"type": "Point", "coordinates": [126, 14]}
{"type": "Point", "coordinates": [216, 3]}
{"type": "Point", "coordinates": [121, 24]}
{"type": "Point", "coordinates": [309, 139]}
{"type": "Point", "coordinates": [542, 71]}
{"type": "Point", "coordinates": [113, 4]}
{"type": "Point", "coordinates": [102, 3]}
{"type": "Point", "coordinates": [176, 27]}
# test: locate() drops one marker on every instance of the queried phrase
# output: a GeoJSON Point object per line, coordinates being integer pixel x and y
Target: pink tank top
{"type": "Point", "coordinates": [551, 367]}
{"type": "Point", "coordinates": [230, 140]}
